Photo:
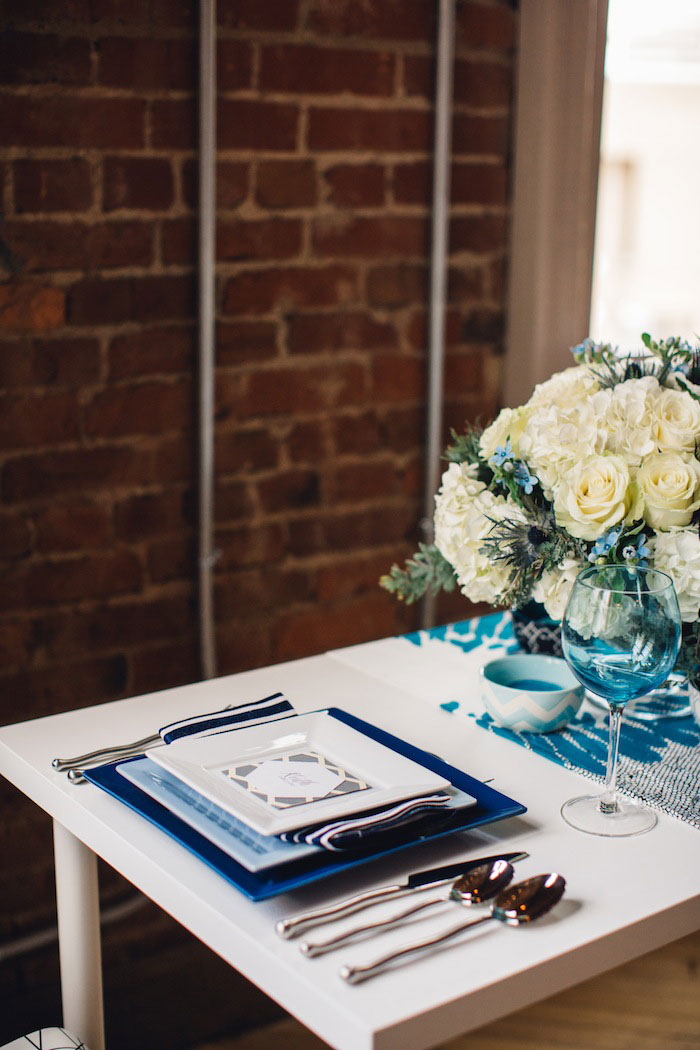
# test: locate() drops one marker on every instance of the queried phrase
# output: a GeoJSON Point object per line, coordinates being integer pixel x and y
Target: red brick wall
{"type": "Point", "coordinates": [325, 135]}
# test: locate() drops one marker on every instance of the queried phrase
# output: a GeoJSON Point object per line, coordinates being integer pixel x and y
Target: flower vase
{"type": "Point", "coordinates": [536, 631]}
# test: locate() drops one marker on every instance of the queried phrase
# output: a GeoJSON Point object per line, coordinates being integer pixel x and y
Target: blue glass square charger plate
{"type": "Point", "coordinates": [490, 806]}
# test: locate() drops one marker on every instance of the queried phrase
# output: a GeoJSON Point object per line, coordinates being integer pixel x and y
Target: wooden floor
{"type": "Point", "coordinates": [652, 1003]}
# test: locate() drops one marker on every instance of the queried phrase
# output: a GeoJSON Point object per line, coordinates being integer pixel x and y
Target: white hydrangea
{"type": "Point", "coordinates": [626, 413]}
{"type": "Point", "coordinates": [566, 388]}
{"type": "Point", "coordinates": [553, 588]}
{"type": "Point", "coordinates": [464, 515]}
{"type": "Point", "coordinates": [560, 426]}
{"type": "Point", "coordinates": [454, 505]}
{"type": "Point", "coordinates": [509, 423]}
{"type": "Point", "coordinates": [677, 552]}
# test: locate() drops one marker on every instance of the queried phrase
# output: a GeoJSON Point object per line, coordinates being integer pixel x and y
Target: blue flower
{"type": "Point", "coordinates": [582, 348]}
{"type": "Point", "coordinates": [502, 455]}
{"type": "Point", "coordinates": [589, 352]}
{"type": "Point", "coordinates": [604, 544]}
{"type": "Point", "coordinates": [524, 478]}
{"type": "Point", "coordinates": [637, 555]}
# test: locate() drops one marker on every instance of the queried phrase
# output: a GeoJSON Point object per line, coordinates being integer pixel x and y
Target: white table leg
{"type": "Point", "coordinates": [78, 904]}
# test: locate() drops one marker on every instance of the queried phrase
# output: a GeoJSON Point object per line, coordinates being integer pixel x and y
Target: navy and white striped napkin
{"type": "Point", "coordinates": [269, 709]}
{"type": "Point", "coordinates": [369, 830]}
{"type": "Point", "coordinates": [374, 827]}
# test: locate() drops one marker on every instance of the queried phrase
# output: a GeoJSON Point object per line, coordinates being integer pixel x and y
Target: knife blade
{"type": "Point", "coordinates": [452, 871]}
{"type": "Point", "coordinates": [418, 880]}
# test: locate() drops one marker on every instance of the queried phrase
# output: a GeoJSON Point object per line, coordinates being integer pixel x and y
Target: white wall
{"type": "Point", "coordinates": [647, 248]}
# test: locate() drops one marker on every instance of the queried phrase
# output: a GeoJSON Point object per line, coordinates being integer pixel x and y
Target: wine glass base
{"type": "Point", "coordinates": [630, 818]}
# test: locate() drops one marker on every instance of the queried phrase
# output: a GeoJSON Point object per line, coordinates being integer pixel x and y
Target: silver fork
{"type": "Point", "coordinates": [74, 766]}
{"type": "Point", "coordinates": [101, 754]}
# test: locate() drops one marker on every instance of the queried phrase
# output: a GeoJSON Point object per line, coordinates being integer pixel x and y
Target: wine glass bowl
{"type": "Point", "coordinates": [621, 644]}
{"type": "Point", "coordinates": [621, 634]}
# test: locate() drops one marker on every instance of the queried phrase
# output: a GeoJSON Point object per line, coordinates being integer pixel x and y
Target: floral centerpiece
{"type": "Point", "coordinates": [600, 465]}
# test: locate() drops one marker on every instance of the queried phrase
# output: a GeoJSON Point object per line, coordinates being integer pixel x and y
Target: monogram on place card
{"type": "Point", "coordinates": [294, 779]}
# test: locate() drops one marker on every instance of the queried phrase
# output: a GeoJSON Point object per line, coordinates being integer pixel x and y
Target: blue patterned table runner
{"type": "Point", "coordinates": [659, 761]}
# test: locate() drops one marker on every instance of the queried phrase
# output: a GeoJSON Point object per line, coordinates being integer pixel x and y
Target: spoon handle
{"type": "Point", "coordinates": [298, 923]}
{"type": "Point", "coordinates": [355, 974]}
{"type": "Point", "coordinates": [313, 948]}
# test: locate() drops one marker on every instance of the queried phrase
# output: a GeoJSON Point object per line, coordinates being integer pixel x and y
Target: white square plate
{"type": "Point", "coordinates": [300, 770]}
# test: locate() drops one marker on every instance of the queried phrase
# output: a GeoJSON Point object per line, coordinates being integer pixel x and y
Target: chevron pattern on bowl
{"type": "Point", "coordinates": [530, 693]}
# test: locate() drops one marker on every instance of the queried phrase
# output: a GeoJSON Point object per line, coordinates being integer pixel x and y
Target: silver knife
{"type": "Point", "coordinates": [419, 880]}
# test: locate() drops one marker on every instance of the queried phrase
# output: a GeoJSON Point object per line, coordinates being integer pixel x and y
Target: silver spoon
{"type": "Point", "coordinates": [521, 903]}
{"type": "Point", "coordinates": [479, 885]}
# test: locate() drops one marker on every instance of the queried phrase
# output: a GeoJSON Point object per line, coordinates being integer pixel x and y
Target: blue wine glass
{"type": "Point", "coordinates": [621, 634]}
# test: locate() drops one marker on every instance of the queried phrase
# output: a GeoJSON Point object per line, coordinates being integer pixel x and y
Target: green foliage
{"type": "Point", "coordinates": [426, 571]}
{"type": "Point", "coordinates": [591, 353]}
{"type": "Point", "coordinates": [464, 447]}
{"type": "Point", "coordinates": [674, 354]}
{"type": "Point", "coordinates": [688, 387]}
{"type": "Point", "coordinates": [660, 358]}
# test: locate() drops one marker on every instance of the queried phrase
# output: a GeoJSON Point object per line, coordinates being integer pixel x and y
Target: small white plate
{"type": "Point", "coordinates": [300, 770]}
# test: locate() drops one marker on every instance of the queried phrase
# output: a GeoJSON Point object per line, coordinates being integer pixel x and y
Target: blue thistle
{"type": "Point", "coordinates": [524, 478]}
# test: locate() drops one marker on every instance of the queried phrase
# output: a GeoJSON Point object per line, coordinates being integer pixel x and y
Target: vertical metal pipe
{"type": "Point", "coordinates": [206, 279]}
{"type": "Point", "coordinates": [438, 271]}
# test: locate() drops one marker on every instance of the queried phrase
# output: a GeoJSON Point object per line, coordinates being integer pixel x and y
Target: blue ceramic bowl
{"type": "Point", "coordinates": [530, 692]}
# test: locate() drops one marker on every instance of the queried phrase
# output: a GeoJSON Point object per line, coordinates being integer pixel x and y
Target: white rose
{"type": "Point", "coordinates": [677, 552]}
{"type": "Point", "coordinates": [670, 486]}
{"type": "Point", "coordinates": [508, 423]}
{"type": "Point", "coordinates": [676, 422]}
{"type": "Point", "coordinates": [625, 413]}
{"type": "Point", "coordinates": [553, 588]}
{"type": "Point", "coordinates": [595, 495]}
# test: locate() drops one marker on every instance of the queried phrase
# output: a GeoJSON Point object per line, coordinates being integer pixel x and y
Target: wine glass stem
{"type": "Point", "coordinates": [608, 800]}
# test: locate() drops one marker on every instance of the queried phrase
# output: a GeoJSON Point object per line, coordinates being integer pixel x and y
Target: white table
{"type": "Point", "coordinates": [624, 897]}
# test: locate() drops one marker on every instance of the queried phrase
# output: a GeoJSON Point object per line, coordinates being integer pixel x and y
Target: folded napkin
{"type": "Point", "coordinates": [365, 830]}
{"type": "Point", "coordinates": [269, 709]}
